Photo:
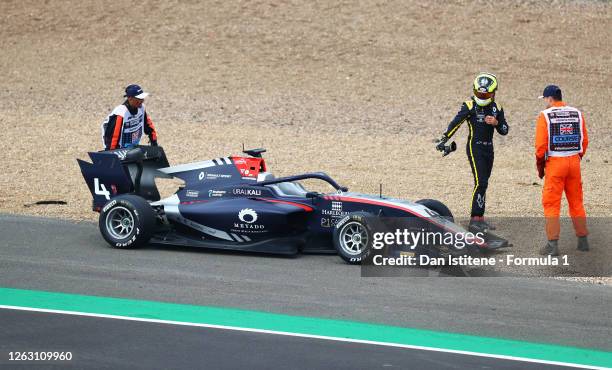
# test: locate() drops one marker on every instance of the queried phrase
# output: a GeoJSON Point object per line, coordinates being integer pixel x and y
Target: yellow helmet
{"type": "Point", "coordinates": [485, 85]}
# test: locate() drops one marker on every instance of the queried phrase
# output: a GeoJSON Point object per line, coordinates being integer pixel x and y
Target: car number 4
{"type": "Point", "coordinates": [100, 189]}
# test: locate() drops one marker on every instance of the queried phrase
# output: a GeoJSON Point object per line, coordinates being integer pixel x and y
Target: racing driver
{"type": "Point", "coordinates": [126, 124]}
{"type": "Point", "coordinates": [484, 115]}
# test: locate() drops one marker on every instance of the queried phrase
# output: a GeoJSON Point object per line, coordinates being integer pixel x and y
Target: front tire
{"type": "Point", "coordinates": [127, 221]}
{"type": "Point", "coordinates": [438, 207]}
{"type": "Point", "coordinates": [353, 236]}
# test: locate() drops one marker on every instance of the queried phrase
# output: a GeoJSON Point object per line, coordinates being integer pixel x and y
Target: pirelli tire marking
{"type": "Point", "coordinates": [343, 221]}
{"type": "Point", "coordinates": [109, 206]}
{"type": "Point", "coordinates": [129, 242]}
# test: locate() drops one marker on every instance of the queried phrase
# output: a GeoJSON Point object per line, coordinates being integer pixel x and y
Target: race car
{"type": "Point", "coordinates": [235, 203]}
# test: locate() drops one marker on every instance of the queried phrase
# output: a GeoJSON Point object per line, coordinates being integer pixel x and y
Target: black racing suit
{"type": "Point", "coordinates": [479, 146]}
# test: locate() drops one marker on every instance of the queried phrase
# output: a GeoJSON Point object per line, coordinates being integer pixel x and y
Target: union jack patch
{"type": "Point", "coordinates": [566, 129]}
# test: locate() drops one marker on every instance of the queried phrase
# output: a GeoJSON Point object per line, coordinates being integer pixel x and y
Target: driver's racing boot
{"type": "Point", "coordinates": [488, 225]}
{"type": "Point", "coordinates": [583, 244]}
{"type": "Point", "coordinates": [551, 248]}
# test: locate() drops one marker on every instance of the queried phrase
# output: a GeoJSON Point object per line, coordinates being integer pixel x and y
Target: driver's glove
{"type": "Point", "coordinates": [441, 142]}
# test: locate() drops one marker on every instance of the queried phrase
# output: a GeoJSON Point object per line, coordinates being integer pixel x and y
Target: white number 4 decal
{"type": "Point", "coordinates": [100, 189]}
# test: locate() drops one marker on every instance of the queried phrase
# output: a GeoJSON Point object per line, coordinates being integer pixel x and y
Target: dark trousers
{"type": "Point", "coordinates": [481, 163]}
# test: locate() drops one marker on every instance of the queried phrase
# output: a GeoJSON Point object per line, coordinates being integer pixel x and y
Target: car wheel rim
{"type": "Point", "coordinates": [120, 223]}
{"type": "Point", "coordinates": [353, 238]}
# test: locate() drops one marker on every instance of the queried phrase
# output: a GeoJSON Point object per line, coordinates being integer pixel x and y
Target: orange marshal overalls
{"type": "Point", "coordinates": [561, 141]}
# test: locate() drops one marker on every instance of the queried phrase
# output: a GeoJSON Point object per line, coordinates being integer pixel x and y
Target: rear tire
{"type": "Point", "coordinates": [438, 207]}
{"type": "Point", "coordinates": [353, 236]}
{"type": "Point", "coordinates": [127, 221]}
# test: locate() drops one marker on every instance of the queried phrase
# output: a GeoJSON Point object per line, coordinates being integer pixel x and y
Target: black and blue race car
{"type": "Point", "coordinates": [235, 203]}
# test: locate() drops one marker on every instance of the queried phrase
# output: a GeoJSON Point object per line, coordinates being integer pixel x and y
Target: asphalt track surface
{"type": "Point", "coordinates": [62, 256]}
{"type": "Point", "coordinates": [101, 343]}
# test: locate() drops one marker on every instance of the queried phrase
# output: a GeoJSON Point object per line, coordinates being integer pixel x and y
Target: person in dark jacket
{"type": "Point", "coordinates": [484, 116]}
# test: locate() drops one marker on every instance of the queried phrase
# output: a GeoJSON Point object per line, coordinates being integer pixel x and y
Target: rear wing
{"type": "Point", "coordinates": [123, 171]}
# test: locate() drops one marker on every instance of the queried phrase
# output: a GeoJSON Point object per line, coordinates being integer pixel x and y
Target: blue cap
{"type": "Point", "coordinates": [552, 91]}
{"type": "Point", "coordinates": [135, 91]}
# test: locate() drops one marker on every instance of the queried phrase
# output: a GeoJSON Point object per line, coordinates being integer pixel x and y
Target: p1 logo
{"type": "Point", "coordinates": [100, 189]}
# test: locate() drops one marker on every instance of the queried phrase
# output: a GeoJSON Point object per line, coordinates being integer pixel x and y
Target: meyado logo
{"type": "Point", "coordinates": [247, 215]}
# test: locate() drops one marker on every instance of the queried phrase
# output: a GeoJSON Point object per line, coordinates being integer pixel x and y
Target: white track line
{"type": "Point", "coordinates": [310, 336]}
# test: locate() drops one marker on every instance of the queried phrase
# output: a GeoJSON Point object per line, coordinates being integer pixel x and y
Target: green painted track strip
{"type": "Point", "coordinates": [300, 325]}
